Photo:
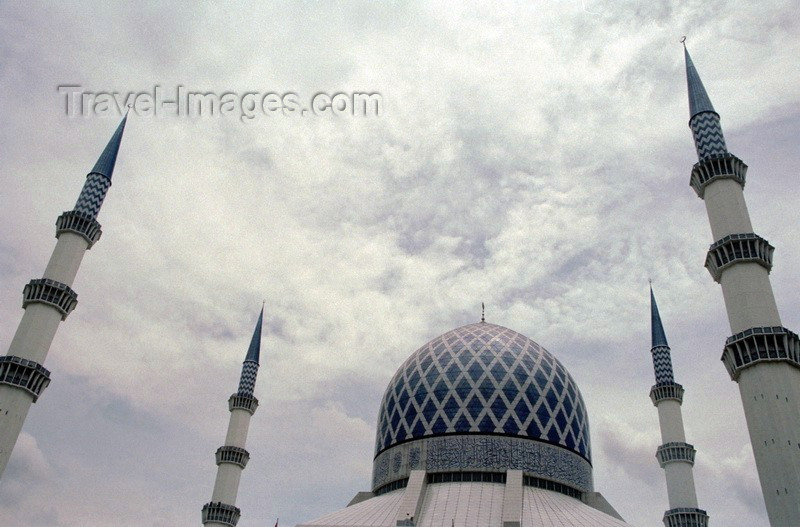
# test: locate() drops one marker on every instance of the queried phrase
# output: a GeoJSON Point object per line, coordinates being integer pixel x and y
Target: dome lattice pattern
{"type": "Point", "coordinates": [483, 379]}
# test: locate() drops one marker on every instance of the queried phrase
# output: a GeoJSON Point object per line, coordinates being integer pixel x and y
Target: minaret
{"type": "Point", "coordinates": [762, 356]}
{"type": "Point", "coordinates": [675, 455]}
{"type": "Point", "coordinates": [232, 457]}
{"type": "Point", "coordinates": [48, 300]}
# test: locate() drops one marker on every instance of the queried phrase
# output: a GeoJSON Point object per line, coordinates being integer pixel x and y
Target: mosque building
{"type": "Point", "coordinates": [482, 426]}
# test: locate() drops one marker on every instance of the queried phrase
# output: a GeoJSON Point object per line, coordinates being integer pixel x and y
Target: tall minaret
{"type": "Point", "coordinates": [48, 300]}
{"type": "Point", "coordinates": [675, 455]}
{"type": "Point", "coordinates": [232, 457]}
{"type": "Point", "coordinates": [762, 356]}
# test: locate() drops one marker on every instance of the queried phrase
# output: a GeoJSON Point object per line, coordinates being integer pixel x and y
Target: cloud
{"type": "Point", "coordinates": [534, 157]}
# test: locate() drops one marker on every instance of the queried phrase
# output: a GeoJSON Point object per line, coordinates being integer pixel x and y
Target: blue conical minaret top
{"type": "Point", "coordinates": [99, 179]}
{"type": "Point", "coordinates": [105, 164]}
{"type": "Point", "coordinates": [247, 381]}
{"type": "Point", "coordinates": [698, 98]}
{"type": "Point", "coordinates": [254, 351]}
{"type": "Point", "coordinates": [659, 338]}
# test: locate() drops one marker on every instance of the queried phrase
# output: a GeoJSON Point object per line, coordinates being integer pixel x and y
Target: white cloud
{"type": "Point", "coordinates": [534, 157]}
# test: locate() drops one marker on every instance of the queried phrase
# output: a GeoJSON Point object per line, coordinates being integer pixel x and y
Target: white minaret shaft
{"type": "Point", "coordinates": [232, 456]}
{"type": "Point", "coordinates": [675, 455]}
{"type": "Point", "coordinates": [762, 356]}
{"type": "Point", "coordinates": [48, 300]}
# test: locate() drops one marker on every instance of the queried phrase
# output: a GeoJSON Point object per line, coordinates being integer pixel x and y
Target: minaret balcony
{"type": "Point", "coordinates": [80, 224]}
{"type": "Point", "coordinates": [233, 454]}
{"type": "Point", "coordinates": [755, 345]}
{"type": "Point", "coordinates": [219, 512]}
{"type": "Point", "coordinates": [736, 248]}
{"type": "Point", "coordinates": [666, 391]}
{"type": "Point", "coordinates": [243, 402]}
{"type": "Point", "coordinates": [675, 451]}
{"type": "Point", "coordinates": [52, 293]}
{"type": "Point", "coordinates": [685, 517]}
{"type": "Point", "coordinates": [23, 373]}
{"type": "Point", "coordinates": [714, 167]}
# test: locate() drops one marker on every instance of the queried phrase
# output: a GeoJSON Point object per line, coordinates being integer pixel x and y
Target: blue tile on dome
{"type": "Point", "coordinates": [533, 429]}
{"type": "Point", "coordinates": [419, 429]}
{"type": "Point", "coordinates": [402, 401]}
{"type": "Point", "coordinates": [429, 411]}
{"type": "Point", "coordinates": [561, 420]}
{"type": "Point", "coordinates": [510, 427]}
{"type": "Point", "coordinates": [487, 388]}
{"type": "Point", "coordinates": [475, 371]}
{"type": "Point", "coordinates": [420, 395]}
{"type": "Point", "coordinates": [541, 381]}
{"type": "Point", "coordinates": [439, 427]}
{"type": "Point", "coordinates": [567, 406]}
{"type": "Point", "coordinates": [463, 388]}
{"type": "Point", "coordinates": [486, 425]}
{"type": "Point", "coordinates": [553, 435]}
{"type": "Point", "coordinates": [507, 358]}
{"type": "Point", "coordinates": [499, 407]}
{"type": "Point", "coordinates": [498, 371]}
{"type": "Point", "coordinates": [523, 410]}
{"type": "Point", "coordinates": [557, 384]}
{"type": "Point", "coordinates": [413, 379]}
{"type": "Point", "coordinates": [395, 419]}
{"type": "Point", "coordinates": [462, 425]}
{"type": "Point", "coordinates": [401, 434]}
{"type": "Point", "coordinates": [453, 372]}
{"type": "Point", "coordinates": [542, 414]}
{"type": "Point", "coordinates": [551, 398]}
{"type": "Point", "coordinates": [474, 407]}
{"type": "Point", "coordinates": [510, 391]}
{"type": "Point", "coordinates": [520, 374]}
{"type": "Point", "coordinates": [425, 363]}
{"type": "Point", "coordinates": [569, 441]}
{"type": "Point", "coordinates": [441, 389]}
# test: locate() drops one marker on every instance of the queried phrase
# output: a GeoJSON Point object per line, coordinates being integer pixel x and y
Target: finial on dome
{"type": "Point", "coordinates": [483, 312]}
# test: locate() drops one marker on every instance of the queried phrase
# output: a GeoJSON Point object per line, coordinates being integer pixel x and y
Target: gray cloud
{"type": "Point", "coordinates": [532, 157]}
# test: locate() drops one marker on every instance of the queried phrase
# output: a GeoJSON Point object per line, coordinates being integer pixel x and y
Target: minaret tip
{"type": "Point", "coordinates": [658, 337]}
{"type": "Point", "coordinates": [105, 164]}
{"type": "Point", "coordinates": [698, 98]}
{"type": "Point", "coordinates": [483, 312]}
{"type": "Point", "coordinates": [254, 351]}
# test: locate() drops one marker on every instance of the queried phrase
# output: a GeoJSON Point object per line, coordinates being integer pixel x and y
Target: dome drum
{"type": "Point", "coordinates": [482, 453]}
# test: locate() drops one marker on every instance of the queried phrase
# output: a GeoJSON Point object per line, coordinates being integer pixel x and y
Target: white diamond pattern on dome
{"type": "Point", "coordinates": [483, 378]}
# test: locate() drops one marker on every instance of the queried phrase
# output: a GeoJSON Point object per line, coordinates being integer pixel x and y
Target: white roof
{"type": "Point", "coordinates": [470, 505]}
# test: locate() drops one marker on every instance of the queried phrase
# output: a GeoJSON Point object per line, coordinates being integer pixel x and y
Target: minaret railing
{"type": "Point", "coordinates": [232, 454]}
{"type": "Point", "coordinates": [80, 224]}
{"type": "Point", "coordinates": [686, 517]}
{"type": "Point", "coordinates": [52, 293]}
{"type": "Point", "coordinates": [738, 248]}
{"type": "Point", "coordinates": [757, 345]}
{"type": "Point", "coordinates": [23, 373]}
{"type": "Point", "coordinates": [221, 513]}
{"type": "Point", "coordinates": [715, 167]}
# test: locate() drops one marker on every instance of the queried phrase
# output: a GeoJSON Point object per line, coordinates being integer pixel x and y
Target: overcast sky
{"type": "Point", "coordinates": [531, 155]}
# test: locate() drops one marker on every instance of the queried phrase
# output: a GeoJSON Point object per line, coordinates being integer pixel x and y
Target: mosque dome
{"type": "Point", "coordinates": [483, 398]}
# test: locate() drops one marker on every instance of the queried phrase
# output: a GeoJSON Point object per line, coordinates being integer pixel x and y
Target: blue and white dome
{"type": "Point", "coordinates": [489, 381]}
